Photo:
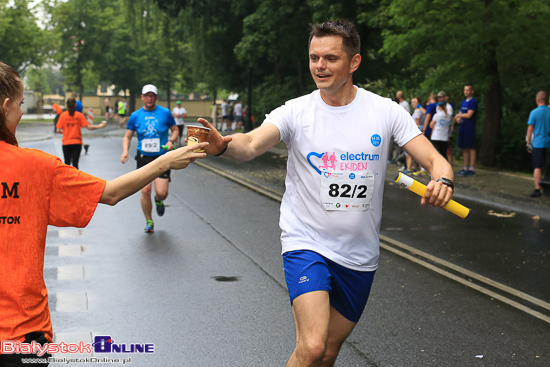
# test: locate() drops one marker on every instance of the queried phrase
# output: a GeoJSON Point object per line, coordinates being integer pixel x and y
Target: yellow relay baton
{"type": "Point", "coordinates": [420, 189]}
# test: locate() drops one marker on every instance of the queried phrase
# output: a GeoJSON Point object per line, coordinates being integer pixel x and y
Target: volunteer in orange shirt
{"type": "Point", "coordinates": [39, 190]}
{"type": "Point", "coordinates": [69, 124]}
{"type": "Point", "coordinates": [58, 111]}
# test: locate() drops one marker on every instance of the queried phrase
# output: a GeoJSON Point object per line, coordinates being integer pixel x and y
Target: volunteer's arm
{"type": "Point", "coordinates": [130, 183]}
{"type": "Point", "coordinates": [102, 125]}
{"type": "Point", "coordinates": [423, 152]}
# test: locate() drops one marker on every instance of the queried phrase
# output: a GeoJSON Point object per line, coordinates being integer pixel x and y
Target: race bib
{"type": "Point", "coordinates": [347, 190]}
{"type": "Point", "coordinates": [150, 145]}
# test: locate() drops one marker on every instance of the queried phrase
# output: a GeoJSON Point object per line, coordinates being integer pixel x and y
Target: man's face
{"type": "Point", "coordinates": [468, 91]}
{"type": "Point", "coordinates": [149, 100]}
{"type": "Point", "coordinates": [329, 65]}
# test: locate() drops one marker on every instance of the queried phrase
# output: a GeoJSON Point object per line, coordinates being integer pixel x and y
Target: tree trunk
{"type": "Point", "coordinates": [493, 103]}
{"type": "Point", "coordinates": [168, 94]}
{"type": "Point", "coordinates": [132, 102]}
{"type": "Point", "coordinates": [491, 128]}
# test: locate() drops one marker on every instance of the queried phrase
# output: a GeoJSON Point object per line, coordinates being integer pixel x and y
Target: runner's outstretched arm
{"type": "Point", "coordinates": [130, 183]}
{"type": "Point", "coordinates": [242, 147]}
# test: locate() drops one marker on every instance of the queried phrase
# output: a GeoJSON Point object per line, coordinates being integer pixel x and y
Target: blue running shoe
{"type": "Point", "coordinates": [469, 173]}
{"type": "Point", "coordinates": [462, 173]}
{"type": "Point", "coordinates": [150, 226]}
{"type": "Point", "coordinates": [160, 207]}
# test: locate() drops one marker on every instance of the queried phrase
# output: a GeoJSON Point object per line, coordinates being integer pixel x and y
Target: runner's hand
{"type": "Point", "coordinates": [217, 142]}
{"type": "Point", "coordinates": [124, 158]}
{"type": "Point", "coordinates": [437, 194]}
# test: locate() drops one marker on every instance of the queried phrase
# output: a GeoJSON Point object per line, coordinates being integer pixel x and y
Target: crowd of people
{"type": "Point", "coordinates": [232, 114]}
{"type": "Point", "coordinates": [436, 119]}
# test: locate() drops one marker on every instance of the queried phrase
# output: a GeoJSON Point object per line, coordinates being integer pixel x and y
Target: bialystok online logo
{"type": "Point", "coordinates": [101, 344]}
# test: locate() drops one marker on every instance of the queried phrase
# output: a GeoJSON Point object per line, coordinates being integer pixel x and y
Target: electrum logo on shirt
{"type": "Point", "coordinates": [12, 193]}
{"type": "Point", "coordinates": [348, 161]}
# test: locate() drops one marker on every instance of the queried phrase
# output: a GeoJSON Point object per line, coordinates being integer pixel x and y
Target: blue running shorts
{"type": "Point", "coordinates": [467, 136]}
{"type": "Point", "coordinates": [306, 271]}
{"type": "Point", "coordinates": [539, 157]}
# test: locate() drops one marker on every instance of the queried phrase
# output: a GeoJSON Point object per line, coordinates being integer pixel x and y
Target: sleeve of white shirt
{"type": "Point", "coordinates": [403, 127]}
{"type": "Point", "coordinates": [281, 117]}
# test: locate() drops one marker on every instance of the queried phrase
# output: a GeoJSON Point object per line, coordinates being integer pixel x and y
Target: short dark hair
{"type": "Point", "coordinates": [351, 42]}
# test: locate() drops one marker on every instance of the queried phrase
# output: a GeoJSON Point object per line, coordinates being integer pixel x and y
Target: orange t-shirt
{"type": "Point", "coordinates": [71, 127]}
{"type": "Point", "coordinates": [36, 190]}
{"type": "Point", "coordinates": [58, 110]}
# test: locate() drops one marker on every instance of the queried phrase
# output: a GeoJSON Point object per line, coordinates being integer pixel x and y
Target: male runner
{"type": "Point", "coordinates": [152, 124]}
{"type": "Point", "coordinates": [330, 215]}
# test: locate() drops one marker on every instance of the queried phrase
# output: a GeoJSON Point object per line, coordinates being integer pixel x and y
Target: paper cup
{"type": "Point", "coordinates": [197, 134]}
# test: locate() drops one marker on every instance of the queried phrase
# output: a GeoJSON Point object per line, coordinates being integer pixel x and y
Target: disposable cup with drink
{"type": "Point", "coordinates": [197, 134]}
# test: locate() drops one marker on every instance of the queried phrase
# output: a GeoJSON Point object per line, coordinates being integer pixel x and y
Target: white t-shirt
{"type": "Point", "coordinates": [238, 110]}
{"type": "Point", "coordinates": [417, 114]}
{"type": "Point", "coordinates": [442, 125]}
{"type": "Point", "coordinates": [406, 106]}
{"type": "Point", "coordinates": [179, 111]}
{"type": "Point", "coordinates": [348, 143]}
{"type": "Point", "coordinates": [224, 108]}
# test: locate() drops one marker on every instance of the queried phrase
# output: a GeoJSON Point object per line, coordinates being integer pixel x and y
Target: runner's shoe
{"type": "Point", "coordinates": [86, 146]}
{"type": "Point", "coordinates": [150, 226]}
{"type": "Point", "coordinates": [160, 207]}
{"type": "Point", "coordinates": [469, 173]}
{"type": "Point", "coordinates": [462, 172]}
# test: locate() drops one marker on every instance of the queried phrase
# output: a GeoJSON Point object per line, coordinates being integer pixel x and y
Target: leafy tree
{"type": "Point", "coordinates": [449, 44]}
{"type": "Point", "coordinates": [21, 40]}
{"type": "Point", "coordinates": [79, 24]}
{"type": "Point", "coordinates": [37, 80]}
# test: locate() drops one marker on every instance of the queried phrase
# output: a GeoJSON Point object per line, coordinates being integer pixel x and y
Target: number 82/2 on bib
{"type": "Point", "coordinates": [347, 191]}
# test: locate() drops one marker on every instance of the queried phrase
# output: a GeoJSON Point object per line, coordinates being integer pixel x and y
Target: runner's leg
{"type": "Point", "coordinates": [146, 202]}
{"type": "Point", "coordinates": [161, 188]}
{"type": "Point", "coordinates": [311, 318]}
{"type": "Point", "coordinates": [77, 149]}
{"type": "Point", "coordinates": [320, 330]}
{"type": "Point", "coordinates": [338, 331]}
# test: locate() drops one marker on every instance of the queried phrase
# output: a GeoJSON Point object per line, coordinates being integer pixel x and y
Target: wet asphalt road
{"type": "Point", "coordinates": [112, 279]}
